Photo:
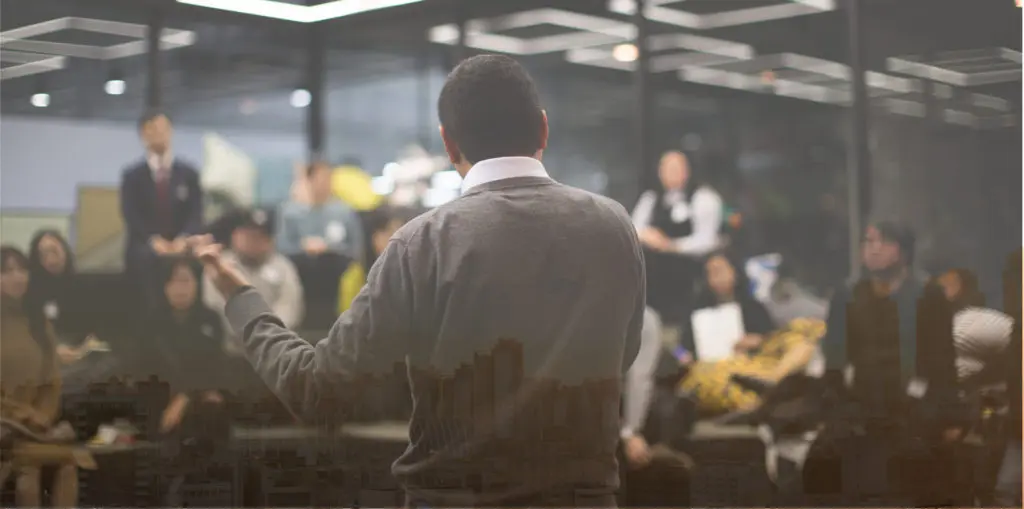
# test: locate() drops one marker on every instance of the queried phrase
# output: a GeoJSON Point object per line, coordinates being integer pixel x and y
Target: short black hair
{"type": "Point", "coordinates": [901, 235]}
{"type": "Point", "coordinates": [150, 116]}
{"type": "Point", "coordinates": [490, 108]}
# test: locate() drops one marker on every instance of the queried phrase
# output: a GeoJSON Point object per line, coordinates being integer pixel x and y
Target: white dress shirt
{"type": "Point", "coordinates": [501, 168]}
{"type": "Point", "coordinates": [160, 164]}
{"type": "Point", "coordinates": [704, 210]}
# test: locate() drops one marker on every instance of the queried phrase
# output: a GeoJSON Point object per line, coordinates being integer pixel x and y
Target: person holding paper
{"type": "Point", "coordinates": [726, 317]}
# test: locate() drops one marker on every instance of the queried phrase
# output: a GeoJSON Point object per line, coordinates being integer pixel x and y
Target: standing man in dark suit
{"type": "Point", "coordinates": [161, 201]}
{"type": "Point", "coordinates": [515, 309]}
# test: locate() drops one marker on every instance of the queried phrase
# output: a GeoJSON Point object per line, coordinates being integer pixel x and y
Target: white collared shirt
{"type": "Point", "coordinates": [158, 163]}
{"type": "Point", "coordinates": [501, 168]}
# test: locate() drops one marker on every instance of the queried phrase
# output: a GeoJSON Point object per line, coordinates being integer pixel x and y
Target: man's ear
{"type": "Point", "coordinates": [544, 130]}
{"type": "Point", "coordinates": [454, 155]}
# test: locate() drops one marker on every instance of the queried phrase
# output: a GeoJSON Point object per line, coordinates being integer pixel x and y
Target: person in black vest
{"type": "Point", "coordinates": [161, 201]}
{"type": "Point", "coordinates": [678, 225]}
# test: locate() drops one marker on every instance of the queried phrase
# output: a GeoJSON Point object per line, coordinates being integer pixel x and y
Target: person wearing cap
{"type": "Point", "coordinates": [271, 273]}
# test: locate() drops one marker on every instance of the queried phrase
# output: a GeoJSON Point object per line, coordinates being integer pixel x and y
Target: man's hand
{"type": "Point", "coordinates": [174, 412]}
{"type": "Point", "coordinates": [225, 277]}
{"type": "Point", "coordinates": [655, 239]}
{"type": "Point", "coordinates": [638, 453]}
{"type": "Point", "coordinates": [178, 246]}
{"type": "Point", "coordinates": [314, 246]}
{"type": "Point", "coordinates": [69, 355]}
{"type": "Point", "coordinates": [160, 245]}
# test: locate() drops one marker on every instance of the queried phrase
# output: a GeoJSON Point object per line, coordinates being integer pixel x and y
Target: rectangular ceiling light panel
{"type": "Point", "coordinates": [657, 10]}
{"type": "Point", "coordinates": [589, 31]}
{"type": "Point", "coordinates": [298, 13]}
{"type": "Point", "coordinates": [671, 52]}
{"type": "Point", "coordinates": [27, 64]}
{"type": "Point", "coordinates": [969, 68]}
{"type": "Point", "coordinates": [796, 76]}
{"type": "Point", "coordinates": [20, 39]}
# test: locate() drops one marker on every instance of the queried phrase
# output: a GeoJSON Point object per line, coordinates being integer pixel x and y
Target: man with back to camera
{"type": "Point", "coordinates": [321, 238]}
{"type": "Point", "coordinates": [161, 199]}
{"type": "Point", "coordinates": [516, 309]}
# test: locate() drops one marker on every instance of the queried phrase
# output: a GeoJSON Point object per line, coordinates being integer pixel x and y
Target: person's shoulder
{"type": "Point", "coordinates": [293, 208]}
{"type": "Point", "coordinates": [706, 192]}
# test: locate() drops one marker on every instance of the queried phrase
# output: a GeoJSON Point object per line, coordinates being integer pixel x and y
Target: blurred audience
{"type": "Point", "coordinates": [30, 380]}
{"type": "Point", "coordinates": [161, 200]}
{"type": "Point", "coordinates": [271, 273]}
{"type": "Point", "coordinates": [322, 238]}
{"type": "Point", "coordinates": [677, 224]}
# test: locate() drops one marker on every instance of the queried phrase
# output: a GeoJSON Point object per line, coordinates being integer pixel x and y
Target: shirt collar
{"type": "Point", "coordinates": [158, 162]}
{"type": "Point", "coordinates": [501, 168]}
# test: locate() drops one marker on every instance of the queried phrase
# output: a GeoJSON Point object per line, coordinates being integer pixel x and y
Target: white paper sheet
{"type": "Point", "coordinates": [717, 330]}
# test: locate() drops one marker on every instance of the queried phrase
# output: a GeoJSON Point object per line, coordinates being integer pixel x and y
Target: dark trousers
{"type": "Point", "coordinates": [897, 471]}
{"type": "Point", "coordinates": [320, 276]}
{"type": "Point", "coordinates": [671, 285]}
{"type": "Point", "coordinates": [568, 498]}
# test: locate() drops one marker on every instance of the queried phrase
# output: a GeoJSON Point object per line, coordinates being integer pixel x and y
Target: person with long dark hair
{"type": "Point", "coordinates": [29, 378]}
{"type": "Point", "coordinates": [52, 269]}
{"type": "Point", "coordinates": [184, 341]}
{"type": "Point", "coordinates": [726, 282]}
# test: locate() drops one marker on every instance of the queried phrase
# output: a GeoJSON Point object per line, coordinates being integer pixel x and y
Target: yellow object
{"type": "Point", "coordinates": [354, 187]}
{"type": "Point", "coordinates": [351, 282]}
{"type": "Point", "coordinates": [711, 384]}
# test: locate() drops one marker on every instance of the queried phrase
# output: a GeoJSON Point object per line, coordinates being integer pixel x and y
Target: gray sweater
{"type": "Point", "coordinates": [515, 310]}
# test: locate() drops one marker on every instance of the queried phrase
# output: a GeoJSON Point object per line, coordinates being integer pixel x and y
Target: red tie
{"type": "Point", "coordinates": [163, 200]}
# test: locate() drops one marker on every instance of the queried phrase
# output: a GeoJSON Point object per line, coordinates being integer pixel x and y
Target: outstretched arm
{"type": "Point", "coordinates": [365, 342]}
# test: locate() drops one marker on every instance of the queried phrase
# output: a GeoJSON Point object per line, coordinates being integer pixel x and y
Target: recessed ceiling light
{"type": "Point", "coordinates": [625, 53]}
{"type": "Point", "coordinates": [301, 98]}
{"type": "Point", "coordinates": [114, 87]}
{"type": "Point", "coordinates": [40, 100]}
{"type": "Point", "coordinates": [298, 13]}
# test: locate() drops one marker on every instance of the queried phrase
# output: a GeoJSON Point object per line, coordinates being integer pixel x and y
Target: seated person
{"type": "Point", "coordinates": [382, 223]}
{"type": "Point", "coordinates": [321, 237]}
{"type": "Point", "coordinates": [30, 379]}
{"type": "Point", "coordinates": [781, 353]}
{"type": "Point", "coordinates": [52, 268]}
{"type": "Point", "coordinates": [980, 334]}
{"type": "Point", "coordinates": [185, 343]}
{"type": "Point", "coordinates": [724, 285]}
{"type": "Point", "coordinates": [270, 272]}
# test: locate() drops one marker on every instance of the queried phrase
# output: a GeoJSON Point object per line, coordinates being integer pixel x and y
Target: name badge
{"type": "Point", "coordinates": [206, 330]}
{"type": "Point", "coordinates": [917, 388]}
{"type": "Point", "coordinates": [270, 275]}
{"type": "Point", "coordinates": [335, 232]}
{"type": "Point", "coordinates": [680, 212]}
{"type": "Point", "coordinates": [182, 192]}
{"type": "Point", "coordinates": [51, 310]}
